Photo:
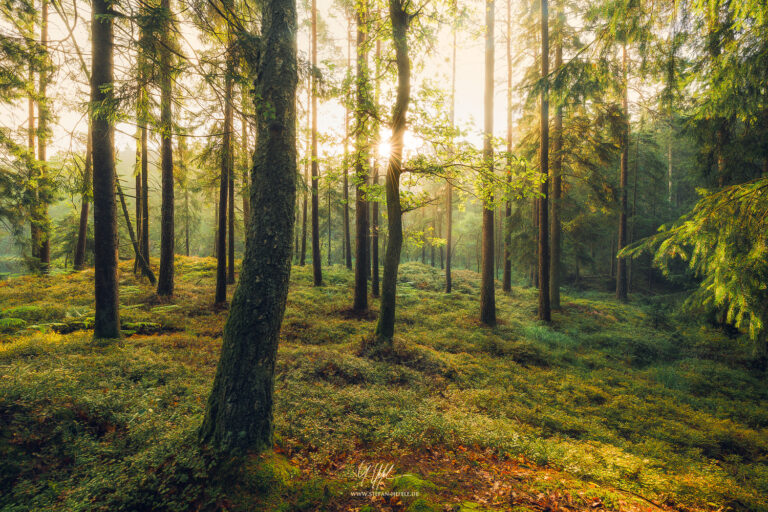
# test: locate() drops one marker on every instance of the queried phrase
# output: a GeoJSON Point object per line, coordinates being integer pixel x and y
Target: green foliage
{"type": "Point", "coordinates": [723, 242]}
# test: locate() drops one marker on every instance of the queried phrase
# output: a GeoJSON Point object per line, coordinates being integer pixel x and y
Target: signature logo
{"type": "Point", "coordinates": [375, 474]}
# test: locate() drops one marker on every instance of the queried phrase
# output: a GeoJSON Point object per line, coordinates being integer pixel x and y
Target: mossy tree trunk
{"type": "Point", "coordinates": [239, 413]}
{"type": "Point", "coordinates": [385, 328]}
{"type": "Point", "coordinates": [107, 316]}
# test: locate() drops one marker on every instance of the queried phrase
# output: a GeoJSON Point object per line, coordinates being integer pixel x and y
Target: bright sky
{"type": "Point", "coordinates": [69, 95]}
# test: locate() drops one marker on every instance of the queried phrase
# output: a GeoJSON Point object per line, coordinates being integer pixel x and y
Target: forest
{"type": "Point", "coordinates": [384, 255]}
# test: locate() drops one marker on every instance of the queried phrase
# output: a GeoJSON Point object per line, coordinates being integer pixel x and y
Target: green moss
{"type": "Point", "coordinates": [411, 482]}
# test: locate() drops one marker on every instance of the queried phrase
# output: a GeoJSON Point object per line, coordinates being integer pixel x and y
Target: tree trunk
{"type": "Point", "coordinates": [362, 262]}
{"type": "Point", "coordinates": [231, 215]}
{"type": "Point", "coordinates": [375, 204]}
{"type": "Point", "coordinates": [224, 197]}
{"type": "Point", "coordinates": [385, 328]}
{"type": "Point", "coordinates": [34, 229]}
{"type": "Point", "coordinates": [448, 187]}
{"type": "Point", "coordinates": [302, 258]}
{"type": "Point", "coordinates": [137, 199]}
{"type": "Point", "coordinates": [107, 315]}
{"type": "Point", "coordinates": [82, 230]}
{"type": "Point", "coordinates": [144, 188]}
{"type": "Point", "coordinates": [621, 263]}
{"type": "Point", "coordinates": [487, 284]}
{"type": "Point", "coordinates": [167, 226]}
{"type": "Point", "coordinates": [44, 224]}
{"type": "Point", "coordinates": [544, 305]}
{"type": "Point", "coordinates": [239, 417]}
{"type": "Point", "coordinates": [506, 283]}
{"type": "Point", "coordinates": [347, 236]}
{"type": "Point", "coordinates": [140, 261]}
{"type": "Point", "coordinates": [555, 262]}
{"type": "Point", "coordinates": [246, 168]}
{"type": "Point", "coordinates": [330, 231]}
{"type": "Point", "coordinates": [317, 271]}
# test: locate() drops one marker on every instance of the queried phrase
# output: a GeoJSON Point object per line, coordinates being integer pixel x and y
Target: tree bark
{"type": "Point", "coordinates": [317, 271]}
{"type": "Point", "coordinates": [362, 263]}
{"type": "Point", "coordinates": [487, 284]}
{"type": "Point", "coordinates": [385, 328]}
{"type": "Point", "coordinates": [239, 417]}
{"type": "Point", "coordinates": [43, 221]}
{"type": "Point", "coordinates": [621, 263]}
{"type": "Point", "coordinates": [375, 291]}
{"type": "Point", "coordinates": [506, 283]}
{"type": "Point", "coordinates": [345, 184]}
{"type": "Point", "coordinates": [167, 226]}
{"type": "Point", "coordinates": [231, 214]}
{"type": "Point", "coordinates": [82, 230]}
{"type": "Point", "coordinates": [557, 167]}
{"type": "Point", "coordinates": [144, 187]}
{"type": "Point", "coordinates": [302, 258]}
{"type": "Point", "coordinates": [224, 178]}
{"type": "Point", "coordinates": [107, 315]}
{"type": "Point", "coordinates": [544, 305]}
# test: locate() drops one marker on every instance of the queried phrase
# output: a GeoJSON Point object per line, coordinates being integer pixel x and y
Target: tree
{"type": "Point", "coordinates": [238, 416]}
{"type": "Point", "coordinates": [360, 301]}
{"type": "Point", "coordinates": [543, 252]}
{"type": "Point", "coordinates": [506, 284]}
{"type": "Point", "coordinates": [317, 271]}
{"type": "Point", "coordinates": [107, 315]}
{"type": "Point", "coordinates": [556, 177]}
{"type": "Point", "coordinates": [487, 285]}
{"type": "Point", "coordinates": [448, 187]}
{"type": "Point", "coordinates": [400, 18]}
{"type": "Point", "coordinates": [224, 180]}
{"type": "Point", "coordinates": [167, 225]}
{"type": "Point", "coordinates": [375, 204]}
{"type": "Point", "coordinates": [41, 219]}
{"type": "Point", "coordinates": [345, 185]}
{"type": "Point", "coordinates": [621, 263]}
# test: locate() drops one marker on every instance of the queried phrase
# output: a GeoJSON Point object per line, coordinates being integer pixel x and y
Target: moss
{"type": "Point", "coordinates": [423, 505]}
{"type": "Point", "coordinates": [411, 482]}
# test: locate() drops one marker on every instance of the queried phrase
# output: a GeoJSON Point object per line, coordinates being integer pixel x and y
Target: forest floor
{"type": "Point", "coordinates": [612, 407]}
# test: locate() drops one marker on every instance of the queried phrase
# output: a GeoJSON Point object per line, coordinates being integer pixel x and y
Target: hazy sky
{"type": "Point", "coordinates": [69, 96]}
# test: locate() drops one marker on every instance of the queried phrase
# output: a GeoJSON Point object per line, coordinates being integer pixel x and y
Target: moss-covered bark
{"type": "Point", "coordinates": [239, 413]}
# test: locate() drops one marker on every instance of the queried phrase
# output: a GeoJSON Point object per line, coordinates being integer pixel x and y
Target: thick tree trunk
{"type": "Point", "coordinates": [621, 263]}
{"type": "Point", "coordinates": [506, 283]}
{"type": "Point", "coordinates": [487, 284]}
{"type": "Point", "coordinates": [362, 262]}
{"type": "Point", "coordinates": [82, 230]}
{"type": "Point", "coordinates": [385, 328]}
{"type": "Point", "coordinates": [239, 413]}
{"type": "Point", "coordinates": [544, 305]}
{"type": "Point", "coordinates": [557, 167]}
{"type": "Point", "coordinates": [167, 226]}
{"type": "Point", "coordinates": [107, 315]}
{"type": "Point", "coordinates": [224, 178]}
